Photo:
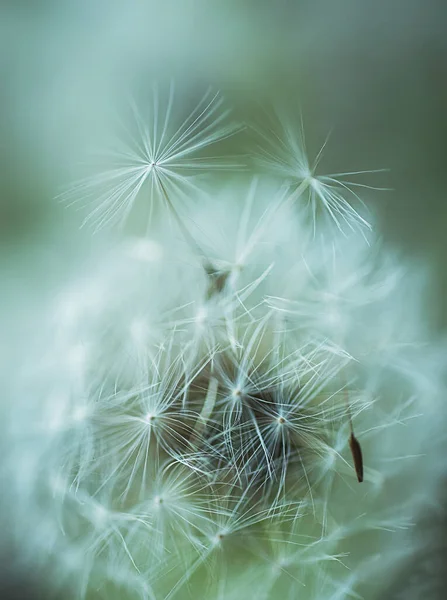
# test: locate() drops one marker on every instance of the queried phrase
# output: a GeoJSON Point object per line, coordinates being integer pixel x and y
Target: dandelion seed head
{"type": "Point", "coordinates": [182, 424]}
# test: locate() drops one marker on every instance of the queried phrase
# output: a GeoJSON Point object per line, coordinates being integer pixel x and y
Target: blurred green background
{"type": "Point", "coordinates": [373, 73]}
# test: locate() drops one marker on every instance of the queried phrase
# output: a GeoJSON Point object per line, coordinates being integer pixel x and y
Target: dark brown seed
{"type": "Point", "coordinates": [356, 452]}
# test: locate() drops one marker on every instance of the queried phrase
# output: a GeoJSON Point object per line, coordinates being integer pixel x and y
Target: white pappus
{"type": "Point", "coordinates": [183, 418]}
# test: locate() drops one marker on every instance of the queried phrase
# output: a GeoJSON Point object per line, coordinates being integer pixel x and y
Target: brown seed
{"type": "Point", "coordinates": [356, 452]}
{"type": "Point", "coordinates": [217, 280]}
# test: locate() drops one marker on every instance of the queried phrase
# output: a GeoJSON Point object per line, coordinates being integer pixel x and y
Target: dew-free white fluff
{"type": "Point", "coordinates": [181, 423]}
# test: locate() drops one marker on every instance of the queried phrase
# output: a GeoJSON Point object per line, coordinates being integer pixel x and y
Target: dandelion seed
{"type": "Point", "coordinates": [357, 456]}
{"type": "Point", "coordinates": [283, 152]}
{"type": "Point", "coordinates": [355, 447]}
{"type": "Point", "coordinates": [156, 161]}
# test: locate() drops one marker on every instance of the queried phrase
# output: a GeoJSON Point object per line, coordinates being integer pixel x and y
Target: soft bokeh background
{"type": "Point", "coordinates": [373, 73]}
